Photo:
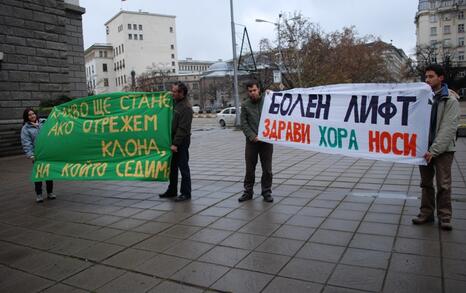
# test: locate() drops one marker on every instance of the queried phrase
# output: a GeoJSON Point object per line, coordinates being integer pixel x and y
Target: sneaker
{"type": "Point", "coordinates": [268, 198]}
{"type": "Point", "coordinates": [51, 196]}
{"type": "Point", "coordinates": [182, 197]}
{"type": "Point", "coordinates": [445, 224]}
{"type": "Point", "coordinates": [423, 219]}
{"type": "Point", "coordinates": [245, 197]}
{"type": "Point", "coordinates": [39, 198]}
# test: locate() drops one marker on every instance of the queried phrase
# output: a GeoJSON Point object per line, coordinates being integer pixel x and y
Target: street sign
{"type": "Point", "coordinates": [277, 76]}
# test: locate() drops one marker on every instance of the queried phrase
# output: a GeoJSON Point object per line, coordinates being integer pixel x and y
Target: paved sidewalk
{"type": "Point", "coordinates": [338, 224]}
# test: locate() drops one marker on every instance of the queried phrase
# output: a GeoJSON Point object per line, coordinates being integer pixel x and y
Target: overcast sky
{"type": "Point", "coordinates": [203, 26]}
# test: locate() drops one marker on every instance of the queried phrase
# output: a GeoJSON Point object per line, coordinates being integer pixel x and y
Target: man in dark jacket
{"type": "Point", "coordinates": [250, 116]}
{"type": "Point", "coordinates": [181, 139]}
{"type": "Point", "coordinates": [442, 135]}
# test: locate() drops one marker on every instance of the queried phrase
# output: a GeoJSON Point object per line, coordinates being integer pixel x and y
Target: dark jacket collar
{"type": "Point", "coordinates": [443, 93]}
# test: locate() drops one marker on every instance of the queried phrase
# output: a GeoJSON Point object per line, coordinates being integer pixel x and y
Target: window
{"type": "Point", "coordinates": [107, 30]}
{"type": "Point", "coordinates": [105, 81]}
{"type": "Point", "coordinates": [135, 26]}
{"type": "Point", "coordinates": [114, 66]}
{"type": "Point", "coordinates": [171, 29]}
{"type": "Point", "coordinates": [173, 70]}
{"type": "Point", "coordinates": [461, 55]}
{"type": "Point", "coordinates": [101, 54]}
{"type": "Point", "coordinates": [105, 54]}
{"type": "Point", "coordinates": [116, 81]}
{"type": "Point", "coordinates": [226, 111]}
{"type": "Point", "coordinates": [433, 43]}
{"type": "Point", "coordinates": [129, 26]}
{"type": "Point", "coordinates": [140, 27]}
{"type": "Point", "coordinates": [233, 111]}
{"type": "Point", "coordinates": [446, 42]}
{"type": "Point", "coordinates": [130, 36]}
{"type": "Point", "coordinates": [195, 86]}
{"type": "Point", "coordinates": [173, 56]}
{"type": "Point", "coordinates": [140, 37]}
{"type": "Point", "coordinates": [122, 48]}
{"type": "Point", "coordinates": [104, 67]}
{"type": "Point", "coordinates": [135, 36]}
{"type": "Point", "coordinates": [172, 46]}
{"type": "Point", "coordinates": [173, 63]}
{"type": "Point", "coordinates": [433, 31]}
{"type": "Point", "coordinates": [124, 78]}
{"type": "Point", "coordinates": [446, 29]}
{"type": "Point", "coordinates": [461, 15]}
{"type": "Point", "coordinates": [433, 18]}
{"type": "Point", "coordinates": [461, 28]}
{"type": "Point", "coordinates": [460, 42]}
{"type": "Point", "coordinates": [123, 63]}
{"type": "Point", "coordinates": [93, 83]}
{"type": "Point", "coordinates": [115, 52]}
{"type": "Point", "coordinates": [92, 69]}
{"type": "Point", "coordinates": [446, 16]}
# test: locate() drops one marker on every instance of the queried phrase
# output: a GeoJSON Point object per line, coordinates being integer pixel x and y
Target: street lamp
{"type": "Point", "coordinates": [235, 66]}
{"type": "Point", "coordinates": [280, 60]}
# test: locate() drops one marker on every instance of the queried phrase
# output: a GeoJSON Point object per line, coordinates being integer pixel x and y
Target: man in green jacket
{"type": "Point", "coordinates": [181, 139]}
{"type": "Point", "coordinates": [250, 116]}
{"type": "Point", "coordinates": [442, 136]}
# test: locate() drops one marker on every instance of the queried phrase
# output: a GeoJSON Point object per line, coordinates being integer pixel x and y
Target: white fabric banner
{"type": "Point", "coordinates": [388, 122]}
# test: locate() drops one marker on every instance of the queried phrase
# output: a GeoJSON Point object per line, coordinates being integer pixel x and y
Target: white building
{"type": "Point", "coordinates": [193, 66]}
{"type": "Point", "coordinates": [100, 76]}
{"type": "Point", "coordinates": [141, 42]}
{"type": "Point", "coordinates": [440, 30]}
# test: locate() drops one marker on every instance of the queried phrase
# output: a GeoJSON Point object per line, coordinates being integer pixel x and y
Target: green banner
{"type": "Point", "coordinates": [117, 136]}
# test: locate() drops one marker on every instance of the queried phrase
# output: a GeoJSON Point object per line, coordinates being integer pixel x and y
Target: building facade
{"type": "Point", "coordinates": [142, 42]}
{"type": "Point", "coordinates": [193, 66]}
{"type": "Point", "coordinates": [440, 31]}
{"type": "Point", "coordinates": [100, 73]}
{"type": "Point", "coordinates": [43, 59]}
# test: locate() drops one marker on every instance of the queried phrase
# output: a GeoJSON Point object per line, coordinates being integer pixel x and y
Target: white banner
{"type": "Point", "coordinates": [388, 122]}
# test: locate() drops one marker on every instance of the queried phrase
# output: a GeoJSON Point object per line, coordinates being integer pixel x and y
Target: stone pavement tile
{"type": "Point", "coordinates": [352, 206]}
{"type": "Point", "coordinates": [129, 258]}
{"type": "Point", "coordinates": [307, 270]}
{"type": "Point", "coordinates": [319, 203]}
{"type": "Point", "coordinates": [173, 287]}
{"type": "Point", "coordinates": [148, 215]}
{"type": "Point", "coordinates": [12, 253]}
{"type": "Point", "coordinates": [152, 227]}
{"type": "Point", "coordinates": [70, 245]}
{"type": "Point", "coordinates": [128, 238]}
{"type": "Point", "coordinates": [200, 274]}
{"type": "Point", "coordinates": [280, 246]}
{"type": "Point", "coordinates": [415, 264]}
{"type": "Point", "coordinates": [126, 212]}
{"type": "Point", "coordinates": [243, 240]}
{"type": "Point", "coordinates": [294, 232]}
{"type": "Point", "coordinates": [173, 217]}
{"type": "Point", "coordinates": [386, 209]}
{"type": "Point", "coordinates": [130, 282]}
{"type": "Point", "coordinates": [264, 262]}
{"type": "Point", "coordinates": [340, 225]}
{"type": "Point", "coordinates": [328, 253]}
{"type": "Point", "coordinates": [417, 246]}
{"type": "Point", "coordinates": [216, 211]}
{"type": "Point", "coordinates": [279, 285]}
{"type": "Point", "coordinates": [243, 214]}
{"type": "Point", "coordinates": [315, 212]}
{"type": "Point", "coordinates": [213, 236]}
{"type": "Point", "coordinates": [377, 229]}
{"type": "Point", "coordinates": [408, 283]}
{"type": "Point", "coordinates": [357, 278]}
{"type": "Point", "coordinates": [99, 251]}
{"type": "Point", "coordinates": [127, 224]}
{"type": "Point", "coordinates": [428, 232]}
{"type": "Point", "coordinates": [333, 289]}
{"type": "Point", "coordinates": [454, 250]}
{"type": "Point", "coordinates": [181, 231]}
{"type": "Point", "coordinates": [295, 201]}
{"type": "Point", "coordinates": [145, 204]}
{"type": "Point", "coordinates": [453, 286]}
{"type": "Point", "coordinates": [347, 215]}
{"type": "Point", "coordinates": [226, 256]}
{"type": "Point", "coordinates": [102, 234]}
{"type": "Point", "coordinates": [228, 224]}
{"type": "Point", "coordinates": [242, 281]}
{"type": "Point", "coordinates": [259, 228]}
{"type": "Point", "coordinates": [366, 258]}
{"type": "Point", "coordinates": [162, 266]}
{"type": "Point", "coordinates": [331, 237]}
{"type": "Point", "coordinates": [273, 217]}
{"type": "Point", "coordinates": [373, 242]}
{"type": "Point", "coordinates": [377, 217]}
{"type": "Point", "coordinates": [158, 243]}
{"type": "Point", "coordinates": [61, 288]}
{"type": "Point", "coordinates": [456, 235]}
{"type": "Point", "coordinates": [285, 208]}
{"type": "Point", "coordinates": [454, 269]}
{"type": "Point", "coordinates": [199, 220]}
{"type": "Point", "coordinates": [305, 221]}
{"type": "Point", "coordinates": [18, 281]}
{"type": "Point", "coordinates": [189, 249]}
{"type": "Point", "coordinates": [94, 277]}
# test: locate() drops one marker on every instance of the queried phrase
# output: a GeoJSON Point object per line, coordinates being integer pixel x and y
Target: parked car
{"type": "Point", "coordinates": [196, 109]}
{"type": "Point", "coordinates": [227, 117]}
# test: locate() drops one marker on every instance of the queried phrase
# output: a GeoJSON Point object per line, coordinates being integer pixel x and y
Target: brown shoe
{"type": "Point", "coordinates": [423, 219]}
{"type": "Point", "coordinates": [445, 224]}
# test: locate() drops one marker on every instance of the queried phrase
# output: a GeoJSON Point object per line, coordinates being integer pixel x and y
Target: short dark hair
{"type": "Point", "coordinates": [182, 88]}
{"type": "Point", "coordinates": [252, 83]}
{"type": "Point", "coordinates": [26, 115]}
{"type": "Point", "coordinates": [438, 69]}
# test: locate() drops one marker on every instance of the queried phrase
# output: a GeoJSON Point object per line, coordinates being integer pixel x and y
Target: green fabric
{"type": "Point", "coordinates": [250, 117]}
{"type": "Point", "coordinates": [117, 136]}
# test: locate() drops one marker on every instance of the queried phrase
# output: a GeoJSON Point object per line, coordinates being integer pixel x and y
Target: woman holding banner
{"type": "Point", "coordinates": [31, 127]}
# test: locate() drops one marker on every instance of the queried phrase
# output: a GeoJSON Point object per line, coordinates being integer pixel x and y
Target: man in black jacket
{"type": "Point", "coordinates": [181, 139]}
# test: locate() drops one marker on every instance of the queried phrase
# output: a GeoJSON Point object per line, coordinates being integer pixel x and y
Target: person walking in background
{"type": "Point", "coordinates": [442, 136]}
{"type": "Point", "coordinates": [31, 127]}
{"type": "Point", "coordinates": [251, 110]}
{"type": "Point", "coordinates": [181, 139]}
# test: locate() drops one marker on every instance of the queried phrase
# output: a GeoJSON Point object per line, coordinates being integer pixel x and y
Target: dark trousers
{"type": "Point", "coordinates": [180, 162]}
{"type": "Point", "coordinates": [440, 167]}
{"type": "Point", "coordinates": [264, 151]}
{"type": "Point", "coordinates": [48, 184]}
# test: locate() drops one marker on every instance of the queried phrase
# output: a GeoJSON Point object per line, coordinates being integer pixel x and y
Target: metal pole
{"type": "Point", "coordinates": [235, 66]}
